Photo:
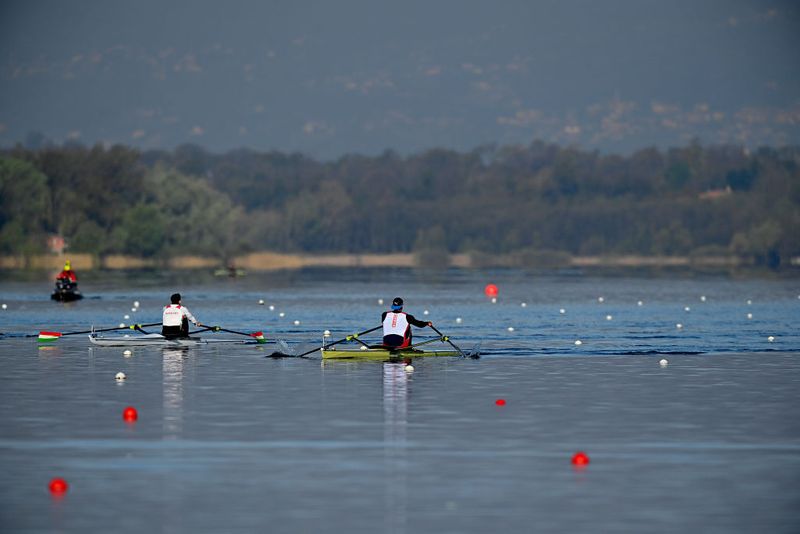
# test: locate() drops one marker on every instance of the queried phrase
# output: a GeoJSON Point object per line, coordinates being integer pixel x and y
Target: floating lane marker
{"type": "Point", "coordinates": [58, 486]}
{"type": "Point", "coordinates": [409, 368]}
{"type": "Point", "coordinates": [600, 300]}
{"type": "Point", "coordinates": [47, 337]}
{"type": "Point", "coordinates": [562, 311]}
{"type": "Point", "coordinates": [664, 362]}
{"type": "Point", "coordinates": [127, 353]}
{"type": "Point", "coordinates": [702, 298]}
{"type": "Point", "coordinates": [120, 376]}
{"type": "Point", "coordinates": [523, 304]}
{"type": "Point", "coordinates": [380, 302]}
{"type": "Point", "coordinates": [640, 303]}
{"type": "Point", "coordinates": [130, 414]}
{"type": "Point", "coordinates": [580, 459]}
{"type": "Point", "coordinates": [510, 328]}
{"type": "Point", "coordinates": [260, 302]}
{"type": "Point", "coordinates": [609, 317]}
{"type": "Point", "coordinates": [5, 306]}
{"type": "Point", "coordinates": [679, 326]}
{"type": "Point", "coordinates": [771, 339]}
{"type": "Point", "coordinates": [500, 402]}
{"type": "Point", "coordinates": [578, 342]}
{"type": "Point", "coordinates": [459, 320]}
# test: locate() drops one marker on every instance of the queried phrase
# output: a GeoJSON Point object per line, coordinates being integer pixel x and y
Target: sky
{"type": "Point", "coordinates": [329, 78]}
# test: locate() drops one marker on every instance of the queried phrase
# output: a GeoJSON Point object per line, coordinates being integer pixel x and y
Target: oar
{"type": "Point", "coordinates": [53, 336]}
{"type": "Point", "coordinates": [447, 338]}
{"type": "Point", "coordinates": [259, 336]}
{"type": "Point", "coordinates": [351, 337]}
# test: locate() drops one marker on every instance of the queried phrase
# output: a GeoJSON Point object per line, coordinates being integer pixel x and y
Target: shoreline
{"type": "Point", "coordinates": [273, 261]}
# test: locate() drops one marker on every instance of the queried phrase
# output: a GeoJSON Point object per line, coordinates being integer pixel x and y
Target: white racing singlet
{"type": "Point", "coordinates": [174, 314]}
{"type": "Point", "coordinates": [395, 324]}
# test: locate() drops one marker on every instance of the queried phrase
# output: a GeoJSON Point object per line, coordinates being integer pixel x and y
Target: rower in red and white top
{"type": "Point", "coordinates": [175, 319]}
{"type": "Point", "coordinates": [397, 326]}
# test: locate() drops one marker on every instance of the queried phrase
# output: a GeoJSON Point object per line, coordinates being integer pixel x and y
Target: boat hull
{"type": "Point", "coordinates": [147, 340]}
{"type": "Point", "coordinates": [66, 296]}
{"type": "Point", "coordinates": [383, 354]}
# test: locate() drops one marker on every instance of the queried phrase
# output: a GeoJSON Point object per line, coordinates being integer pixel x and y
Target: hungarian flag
{"type": "Point", "coordinates": [49, 336]}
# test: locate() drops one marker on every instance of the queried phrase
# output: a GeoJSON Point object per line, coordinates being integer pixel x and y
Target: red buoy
{"type": "Point", "coordinates": [490, 290]}
{"type": "Point", "coordinates": [580, 459]}
{"type": "Point", "coordinates": [500, 402]}
{"type": "Point", "coordinates": [58, 486]}
{"type": "Point", "coordinates": [130, 414]}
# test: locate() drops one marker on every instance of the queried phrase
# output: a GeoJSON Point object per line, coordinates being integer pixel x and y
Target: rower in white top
{"type": "Point", "coordinates": [175, 319]}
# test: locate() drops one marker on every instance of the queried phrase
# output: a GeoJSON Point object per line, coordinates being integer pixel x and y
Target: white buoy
{"type": "Point", "coordinates": [679, 326]}
{"type": "Point", "coordinates": [409, 368]}
{"type": "Point", "coordinates": [425, 312]}
{"type": "Point", "coordinates": [702, 298]}
{"type": "Point", "coordinates": [771, 339]}
{"type": "Point", "coordinates": [510, 328]}
{"type": "Point", "coordinates": [663, 362]}
{"type": "Point", "coordinates": [523, 304]}
{"type": "Point", "coordinates": [494, 300]}
{"type": "Point", "coordinates": [135, 303]}
{"type": "Point", "coordinates": [380, 301]}
{"type": "Point", "coordinates": [609, 317]}
{"type": "Point", "coordinates": [271, 307]}
{"type": "Point", "coordinates": [261, 302]}
{"type": "Point", "coordinates": [578, 342]}
{"type": "Point", "coordinates": [134, 310]}
{"type": "Point", "coordinates": [458, 320]}
{"type": "Point", "coordinates": [562, 311]}
{"type": "Point", "coordinates": [122, 325]}
{"type": "Point", "coordinates": [281, 314]}
{"type": "Point", "coordinates": [600, 299]}
{"type": "Point", "coordinates": [363, 347]}
{"type": "Point", "coordinates": [640, 303]}
{"type": "Point", "coordinates": [749, 315]}
{"type": "Point", "coordinates": [5, 306]}
{"type": "Point", "coordinates": [749, 302]}
{"type": "Point", "coordinates": [126, 352]}
{"type": "Point", "coordinates": [326, 333]}
{"type": "Point", "coordinates": [120, 376]}
{"type": "Point", "coordinates": [126, 317]}
{"type": "Point", "coordinates": [687, 309]}
{"type": "Point", "coordinates": [296, 322]}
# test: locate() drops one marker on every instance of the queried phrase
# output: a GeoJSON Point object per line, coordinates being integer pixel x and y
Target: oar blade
{"type": "Point", "coordinates": [49, 337]}
{"type": "Point", "coordinates": [259, 337]}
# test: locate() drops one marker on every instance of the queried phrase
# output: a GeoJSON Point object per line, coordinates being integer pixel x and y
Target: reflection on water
{"type": "Point", "coordinates": [172, 371]}
{"type": "Point", "coordinates": [395, 423]}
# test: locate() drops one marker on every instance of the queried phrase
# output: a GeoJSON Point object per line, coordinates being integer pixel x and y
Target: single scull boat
{"type": "Point", "coordinates": [157, 340]}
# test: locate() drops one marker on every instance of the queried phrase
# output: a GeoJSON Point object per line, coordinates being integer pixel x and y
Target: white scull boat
{"type": "Point", "coordinates": [156, 340]}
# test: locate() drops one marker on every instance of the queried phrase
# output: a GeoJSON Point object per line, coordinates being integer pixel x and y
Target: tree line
{"type": "Point", "coordinates": [529, 200]}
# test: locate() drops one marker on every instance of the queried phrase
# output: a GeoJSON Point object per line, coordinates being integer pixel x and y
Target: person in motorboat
{"type": "Point", "coordinates": [68, 275]}
{"type": "Point", "coordinates": [397, 326]}
{"type": "Point", "coordinates": [175, 319]}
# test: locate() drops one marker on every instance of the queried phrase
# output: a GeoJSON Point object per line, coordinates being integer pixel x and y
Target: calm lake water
{"type": "Point", "coordinates": [230, 441]}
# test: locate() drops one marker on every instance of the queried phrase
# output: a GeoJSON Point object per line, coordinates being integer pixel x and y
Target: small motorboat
{"type": "Point", "coordinates": [66, 291]}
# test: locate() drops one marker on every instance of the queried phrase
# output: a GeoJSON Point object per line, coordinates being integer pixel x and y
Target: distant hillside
{"type": "Point", "coordinates": [525, 200]}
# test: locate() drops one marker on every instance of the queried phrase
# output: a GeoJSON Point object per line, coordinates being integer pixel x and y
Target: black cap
{"type": "Point", "coordinates": [397, 303]}
{"type": "Point", "coordinates": [175, 298]}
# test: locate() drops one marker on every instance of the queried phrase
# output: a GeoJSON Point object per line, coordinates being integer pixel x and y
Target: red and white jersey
{"type": "Point", "coordinates": [174, 314]}
{"type": "Point", "coordinates": [395, 323]}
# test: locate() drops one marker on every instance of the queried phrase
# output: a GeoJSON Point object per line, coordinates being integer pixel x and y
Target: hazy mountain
{"type": "Point", "coordinates": [327, 78]}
